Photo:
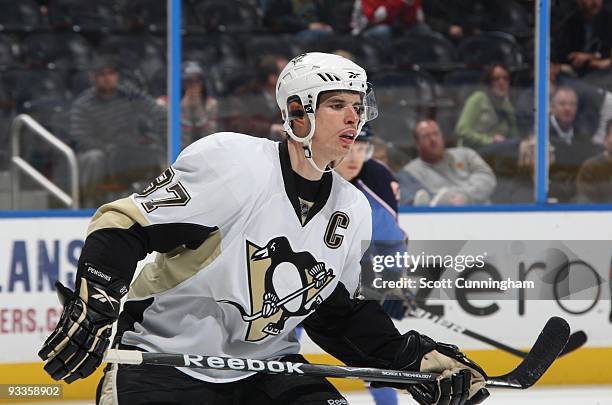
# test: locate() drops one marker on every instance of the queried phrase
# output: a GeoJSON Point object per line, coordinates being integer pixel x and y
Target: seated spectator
{"type": "Point", "coordinates": [378, 19]}
{"type": "Point", "coordinates": [582, 36]}
{"type": "Point", "coordinates": [454, 18]}
{"type": "Point", "coordinates": [255, 112]}
{"type": "Point", "coordinates": [198, 108]}
{"type": "Point", "coordinates": [303, 18]}
{"type": "Point", "coordinates": [488, 115]}
{"type": "Point", "coordinates": [454, 176]}
{"type": "Point", "coordinates": [120, 135]}
{"type": "Point", "coordinates": [594, 181]}
{"type": "Point", "coordinates": [571, 147]}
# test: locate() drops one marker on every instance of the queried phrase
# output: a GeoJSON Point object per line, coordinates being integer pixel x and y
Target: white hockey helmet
{"type": "Point", "coordinates": [308, 75]}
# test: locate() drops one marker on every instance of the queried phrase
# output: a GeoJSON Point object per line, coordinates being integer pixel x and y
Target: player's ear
{"type": "Point", "coordinates": [299, 122]}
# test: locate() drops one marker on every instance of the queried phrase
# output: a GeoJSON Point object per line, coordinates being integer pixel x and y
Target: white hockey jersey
{"type": "Point", "coordinates": [264, 266]}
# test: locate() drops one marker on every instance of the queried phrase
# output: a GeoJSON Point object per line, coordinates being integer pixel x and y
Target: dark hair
{"type": "Point", "coordinates": [557, 89]}
{"type": "Point", "coordinates": [104, 61]}
{"type": "Point", "coordinates": [487, 76]}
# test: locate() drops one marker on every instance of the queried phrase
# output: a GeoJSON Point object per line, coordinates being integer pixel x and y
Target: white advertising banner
{"type": "Point", "coordinates": [35, 252]}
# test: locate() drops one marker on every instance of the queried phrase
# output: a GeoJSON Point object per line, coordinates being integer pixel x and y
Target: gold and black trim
{"type": "Point", "coordinates": [338, 220]}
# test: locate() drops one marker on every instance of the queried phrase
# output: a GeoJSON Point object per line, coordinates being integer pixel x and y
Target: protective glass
{"type": "Point", "coordinates": [370, 108]}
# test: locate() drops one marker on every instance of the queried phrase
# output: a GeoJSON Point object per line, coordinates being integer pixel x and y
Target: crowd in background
{"type": "Point", "coordinates": [454, 80]}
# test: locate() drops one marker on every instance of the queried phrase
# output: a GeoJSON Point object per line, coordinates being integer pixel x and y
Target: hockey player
{"type": "Point", "coordinates": [216, 218]}
{"type": "Point", "coordinates": [375, 181]}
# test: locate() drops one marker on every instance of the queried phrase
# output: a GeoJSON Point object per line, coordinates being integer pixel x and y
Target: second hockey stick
{"type": "Point", "coordinates": [550, 343]}
{"type": "Point", "coordinates": [575, 341]}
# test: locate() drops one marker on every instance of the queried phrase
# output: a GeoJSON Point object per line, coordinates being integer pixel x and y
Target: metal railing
{"type": "Point", "coordinates": [19, 164]}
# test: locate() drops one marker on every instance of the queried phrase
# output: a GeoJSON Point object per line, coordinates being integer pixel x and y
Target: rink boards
{"type": "Point", "coordinates": [35, 251]}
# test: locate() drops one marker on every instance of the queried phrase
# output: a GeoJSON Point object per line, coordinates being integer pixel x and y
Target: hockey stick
{"type": "Point", "coordinates": [575, 341]}
{"type": "Point", "coordinates": [248, 318]}
{"type": "Point", "coordinates": [547, 347]}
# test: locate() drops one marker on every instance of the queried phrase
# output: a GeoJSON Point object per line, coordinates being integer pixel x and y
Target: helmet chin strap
{"type": "Point", "coordinates": [306, 142]}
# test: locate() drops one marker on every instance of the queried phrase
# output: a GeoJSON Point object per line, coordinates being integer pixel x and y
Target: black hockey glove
{"type": "Point", "coordinates": [461, 381]}
{"type": "Point", "coordinates": [76, 347]}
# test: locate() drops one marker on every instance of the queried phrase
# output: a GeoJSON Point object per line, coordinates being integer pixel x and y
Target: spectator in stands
{"type": "Point", "coordinates": [379, 19]}
{"type": "Point", "coordinates": [454, 18]}
{"type": "Point", "coordinates": [380, 150]}
{"type": "Point", "coordinates": [595, 176]}
{"type": "Point", "coordinates": [582, 35]}
{"type": "Point", "coordinates": [488, 115]}
{"type": "Point", "coordinates": [453, 176]}
{"type": "Point", "coordinates": [303, 18]}
{"type": "Point", "coordinates": [255, 112]}
{"type": "Point", "coordinates": [198, 108]}
{"type": "Point", "coordinates": [571, 147]}
{"type": "Point", "coordinates": [119, 133]}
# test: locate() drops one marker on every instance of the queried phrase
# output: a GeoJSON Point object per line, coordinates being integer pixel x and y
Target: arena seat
{"type": "Point", "coordinates": [365, 52]}
{"type": "Point", "coordinates": [211, 49]}
{"type": "Point", "coordinates": [7, 57]}
{"type": "Point", "coordinates": [429, 50]}
{"type": "Point", "coordinates": [134, 50]}
{"type": "Point", "coordinates": [60, 50]}
{"type": "Point", "coordinates": [402, 97]}
{"type": "Point", "coordinates": [23, 15]}
{"type": "Point", "coordinates": [98, 16]}
{"type": "Point", "coordinates": [491, 47]}
{"type": "Point", "coordinates": [26, 86]}
{"type": "Point", "coordinates": [258, 45]}
{"type": "Point", "coordinates": [459, 84]}
{"type": "Point", "coordinates": [145, 14]}
{"type": "Point", "coordinates": [508, 16]}
{"type": "Point", "coordinates": [228, 16]}
{"type": "Point", "coordinates": [230, 79]}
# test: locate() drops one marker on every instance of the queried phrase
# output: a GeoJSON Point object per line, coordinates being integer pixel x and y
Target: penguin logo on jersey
{"type": "Point", "coordinates": [282, 283]}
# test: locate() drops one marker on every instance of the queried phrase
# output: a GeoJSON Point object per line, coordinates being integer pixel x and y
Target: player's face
{"type": "Point", "coordinates": [350, 167]}
{"type": "Point", "coordinates": [336, 118]}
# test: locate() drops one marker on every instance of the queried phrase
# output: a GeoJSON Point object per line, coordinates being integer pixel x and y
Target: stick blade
{"type": "Point", "coordinates": [576, 341]}
{"type": "Point", "coordinates": [548, 346]}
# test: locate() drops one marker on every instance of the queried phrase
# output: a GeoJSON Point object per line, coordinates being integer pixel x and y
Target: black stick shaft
{"type": "Point", "coordinates": [267, 366]}
{"type": "Point", "coordinates": [551, 341]}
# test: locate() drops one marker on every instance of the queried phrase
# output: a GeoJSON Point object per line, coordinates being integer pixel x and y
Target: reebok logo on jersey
{"type": "Point", "coordinates": [104, 297]}
{"type": "Point", "coordinates": [337, 402]}
{"type": "Point", "coordinates": [243, 365]}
